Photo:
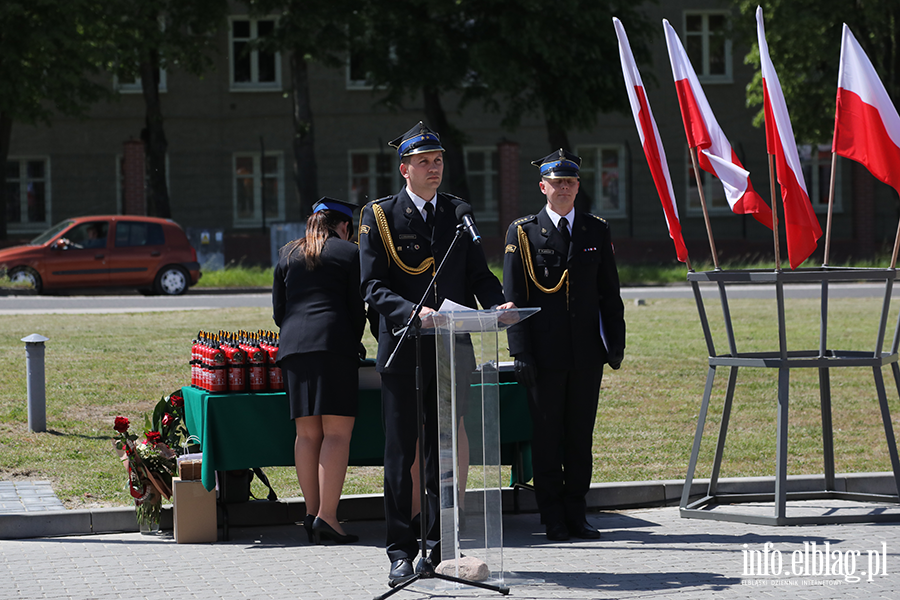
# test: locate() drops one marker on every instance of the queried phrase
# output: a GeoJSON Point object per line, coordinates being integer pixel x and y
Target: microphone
{"type": "Point", "coordinates": [464, 214]}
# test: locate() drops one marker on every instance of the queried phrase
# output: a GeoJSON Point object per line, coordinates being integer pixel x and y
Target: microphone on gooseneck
{"type": "Point", "coordinates": [464, 214]}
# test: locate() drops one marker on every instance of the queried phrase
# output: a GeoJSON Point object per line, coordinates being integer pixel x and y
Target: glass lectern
{"type": "Point", "coordinates": [469, 434]}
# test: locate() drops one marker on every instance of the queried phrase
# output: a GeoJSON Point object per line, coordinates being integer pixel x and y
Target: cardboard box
{"type": "Point", "coordinates": [189, 466]}
{"type": "Point", "coordinates": [194, 512]}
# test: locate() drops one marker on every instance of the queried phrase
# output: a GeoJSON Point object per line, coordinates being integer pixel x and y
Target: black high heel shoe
{"type": "Point", "coordinates": [322, 532]}
{"type": "Point", "coordinates": [307, 525]}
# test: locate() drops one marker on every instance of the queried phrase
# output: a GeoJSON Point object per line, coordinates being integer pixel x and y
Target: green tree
{"type": "Point", "coordinates": [804, 38]}
{"type": "Point", "coordinates": [51, 52]}
{"type": "Point", "coordinates": [412, 47]}
{"type": "Point", "coordinates": [311, 32]}
{"type": "Point", "coordinates": [559, 60]}
{"type": "Point", "coordinates": [151, 35]}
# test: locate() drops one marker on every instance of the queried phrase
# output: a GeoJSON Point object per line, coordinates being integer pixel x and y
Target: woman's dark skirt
{"type": "Point", "coordinates": [321, 383]}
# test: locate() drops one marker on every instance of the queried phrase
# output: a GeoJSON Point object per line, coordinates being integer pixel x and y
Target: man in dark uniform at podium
{"type": "Point", "coordinates": [402, 240]}
{"type": "Point", "coordinates": [561, 260]}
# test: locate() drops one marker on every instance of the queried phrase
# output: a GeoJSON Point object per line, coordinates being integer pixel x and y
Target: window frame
{"type": "Point", "coordinates": [254, 85]}
{"type": "Point", "coordinates": [596, 194]}
{"type": "Point", "coordinates": [372, 193]}
{"type": "Point", "coordinates": [711, 186]}
{"type": "Point", "coordinates": [490, 212]}
{"type": "Point", "coordinates": [31, 226]}
{"type": "Point", "coordinates": [702, 69]}
{"type": "Point", "coordinates": [818, 164]}
{"type": "Point", "coordinates": [136, 86]}
{"type": "Point", "coordinates": [257, 219]}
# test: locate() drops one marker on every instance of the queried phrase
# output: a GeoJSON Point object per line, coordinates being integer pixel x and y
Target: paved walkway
{"type": "Point", "coordinates": [645, 553]}
{"type": "Point", "coordinates": [27, 496]}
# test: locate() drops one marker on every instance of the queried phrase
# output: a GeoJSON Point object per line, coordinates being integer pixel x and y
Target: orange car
{"type": "Point", "coordinates": [150, 254]}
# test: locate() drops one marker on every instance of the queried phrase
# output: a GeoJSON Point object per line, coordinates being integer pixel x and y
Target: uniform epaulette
{"type": "Point", "coordinates": [601, 219]}
{"type": "Point", "coordinates": [380, 200]}
{"type": "Point", "coordinates": [524, 219]}
{"type": "Point", "coordinates": [451, 196]}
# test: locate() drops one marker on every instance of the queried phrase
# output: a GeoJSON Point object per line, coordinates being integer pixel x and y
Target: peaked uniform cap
{"type": "Point", "coordinates": [417, 140]}
{"type": "Point", "coordinates": [326, 203]}
{"type": "Point", "coordinates": [558, 165]}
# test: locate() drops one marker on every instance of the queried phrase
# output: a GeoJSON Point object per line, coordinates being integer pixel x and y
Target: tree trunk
{"type": "Point", "coordinates": [154, 137]}
{"type": "Point", "coordinates": [306, 175]}
{"type": "Point", "coordinates": [5, 137]}
{"type": "Point", "coordinates": [455, 180]}
{"type": "Point", "coordinates": [559, 138]}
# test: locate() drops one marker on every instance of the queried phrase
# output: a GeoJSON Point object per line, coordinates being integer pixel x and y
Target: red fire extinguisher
{"type": "Point", "coordinates": [269, 345]}
{"type": "Point", "coordinates": [236, 360]}
{"type": "Point", "coordinates": [256, 361]}
{"type": "Point", "coordinates": [219, 378]}
{"type": "Point", "coordinates": [195, 361]}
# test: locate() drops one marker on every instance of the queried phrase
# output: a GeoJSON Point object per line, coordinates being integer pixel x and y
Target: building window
{"type": "Point", "coordinates": [816, 164]}
{"type": "Point", "coordinates": [133, 86]}
{"type": "Point", "coordinates": [373, 174]}
{"type": "Point", "coordinates": [252, 68]}
{"type": "Point", "coordinates": [482, 165]}
{"type": "Point", "coordinates": [357, 77]}
{"type": "Point", "coordinates": [716, 202]}
{"type": "Point", "coordinates": [603, 178]}
{"type": "Point", "coordinates": [258, 183]}
{"type": "Point", "coordinates": [27, 194]}
{"type": "Point", "coordinates": [708, 45]}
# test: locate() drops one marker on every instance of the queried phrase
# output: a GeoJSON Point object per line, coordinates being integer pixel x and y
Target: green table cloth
{"type": "Point", "coordinates": [240, 431]}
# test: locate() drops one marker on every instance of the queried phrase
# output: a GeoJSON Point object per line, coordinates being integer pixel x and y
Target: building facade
{"type": "Point", "coordinates": [219, 126]}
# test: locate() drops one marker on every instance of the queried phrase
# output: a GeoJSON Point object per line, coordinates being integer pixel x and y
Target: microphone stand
{"type": "Point", "coordinates": [414, 323]}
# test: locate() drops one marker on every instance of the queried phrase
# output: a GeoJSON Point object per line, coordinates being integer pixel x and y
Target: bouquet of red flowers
{"type": "Point", "coordinates": [150, 463]}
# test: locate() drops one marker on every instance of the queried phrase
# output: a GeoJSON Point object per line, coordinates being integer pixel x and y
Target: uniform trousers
{"type": "Point", "coordinates": [398, 396]}
{"type": "Point", "coordinates": [563, 406]}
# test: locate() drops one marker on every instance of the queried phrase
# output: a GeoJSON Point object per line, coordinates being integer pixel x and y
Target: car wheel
{"type": "Point", "coordinates": [27, 275]}
{"type": "Point", "coordinates": [171, 281]}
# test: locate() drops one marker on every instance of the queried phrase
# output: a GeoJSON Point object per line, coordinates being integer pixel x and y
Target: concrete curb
{"type": "Point", "coordinates": [369, 507]}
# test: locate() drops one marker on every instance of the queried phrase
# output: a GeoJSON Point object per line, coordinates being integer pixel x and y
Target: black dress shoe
{"type": "Point", "coordinates": [322, 531]}
{"type": "Point", "coordinates": [583, 531]}
{"type": "Point", "coordinates": [557, 532]}
{"type": "Point", "coordinates": [307, 525]}
{"type": "Point", "coordinates": [401, 570]}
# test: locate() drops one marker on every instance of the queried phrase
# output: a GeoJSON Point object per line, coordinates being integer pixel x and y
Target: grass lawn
{"type": "Point", "coordinates": [100, 366]}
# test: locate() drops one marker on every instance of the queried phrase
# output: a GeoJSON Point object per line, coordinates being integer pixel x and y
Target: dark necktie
{"type": "Point", "coordinates": [429, 215]}
{"type": "Point", "coordinates": [563, 227]}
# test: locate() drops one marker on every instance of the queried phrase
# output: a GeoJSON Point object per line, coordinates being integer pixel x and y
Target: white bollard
{"type": "Point", "coordinates": [34, 365]}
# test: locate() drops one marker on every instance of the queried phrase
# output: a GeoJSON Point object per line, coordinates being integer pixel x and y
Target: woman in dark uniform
{"type": "Point", "coordinates": [317, 305]}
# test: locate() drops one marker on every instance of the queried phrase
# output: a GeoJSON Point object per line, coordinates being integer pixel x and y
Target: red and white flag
{"type": "Point", "coordinates": [715, 155]}
{"type": "Point", "coordinates": [652, 144]}
{"type": "Point", "coordinates": [800, 222]}
{"type": "Point", "coordinates": [866, 124]}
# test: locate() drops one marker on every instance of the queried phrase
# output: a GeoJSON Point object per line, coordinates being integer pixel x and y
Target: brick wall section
{"type": "Point", "coordinates": [863, 211]}
{"type": "Point", "coordinates": [508, 172]}
{"type": "Point", "coordinates": [134, 198]}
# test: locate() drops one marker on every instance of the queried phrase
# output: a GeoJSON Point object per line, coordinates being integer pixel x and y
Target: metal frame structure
{"type": "Point", "coordinates": [823, 359]}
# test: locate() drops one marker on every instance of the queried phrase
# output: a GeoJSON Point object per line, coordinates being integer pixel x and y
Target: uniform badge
{"type": "Point", "coordinates": [363, 229]}
{"type": "Point", "coordinates": [407, 236]}
{"type": "Point", "coordinates": [510, 249]}
{"type": "Point", "coordinates": [546, 251]}
{"type": "Point", "coordinates": [543, 230]}
{"type": "Point", "coordinates": [408, 210]}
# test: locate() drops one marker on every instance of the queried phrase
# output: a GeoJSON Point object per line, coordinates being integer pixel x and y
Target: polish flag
{"type": "Point", "coordinates": [652, 144]}
{"type": "Point", "coordinates": [800, 221]}
{"type": "Point", "coordinates": [715, 155]}
{"type": "Point", "coordinates": [866, 125]}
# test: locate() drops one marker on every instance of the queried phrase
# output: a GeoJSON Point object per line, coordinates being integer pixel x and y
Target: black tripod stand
{"type": "Point", "coordinates": [415, 324]}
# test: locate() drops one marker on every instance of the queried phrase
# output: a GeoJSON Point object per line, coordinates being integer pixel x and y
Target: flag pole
{"type": "Point", "coordinates": [896, 246]}
{"type": "Point", "coordinates": [712, 244]}
{"type": "Point", "coordinates": [830, 208]}
{"type": "Point", "coordinates": [774, 211]}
